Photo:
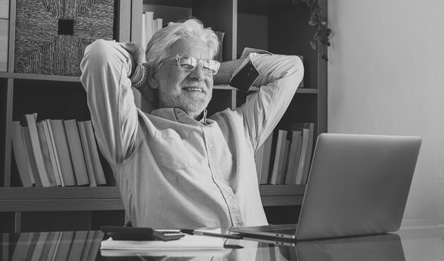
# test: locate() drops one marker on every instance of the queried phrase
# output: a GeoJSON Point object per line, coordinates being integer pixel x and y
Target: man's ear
{"type": "Point", "coordinates": [152, 80]}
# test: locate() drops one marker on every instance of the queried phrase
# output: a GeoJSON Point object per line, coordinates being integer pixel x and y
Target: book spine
{"type": "Point", "coordinates": [75, 148]}
{"type": "Point", "coordinates": [37, 150]}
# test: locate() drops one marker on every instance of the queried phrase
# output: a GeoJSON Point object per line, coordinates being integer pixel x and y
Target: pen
{"type": "Point", "coordinates": [201, 233]}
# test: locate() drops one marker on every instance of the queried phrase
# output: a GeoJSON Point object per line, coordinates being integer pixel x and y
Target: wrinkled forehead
{"type": "Point", "coordinates": [190, 46]}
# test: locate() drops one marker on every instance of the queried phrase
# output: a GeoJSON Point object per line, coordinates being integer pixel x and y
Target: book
{"type": "Point", "coordinates": [154, 26]}
{"type": "Point", "coordinates": [88, 243]}
{"type": "Point", "coordinates": [265, 165]}
{"type": "Point", "coordinates": [32, 245]}
{"type": "Point", "coordinates": [54, 245]}
{"type": "Point", "coordinates": [48, 246]}
{"type": "Point", "coordinates": [279, 154]}
{"type": "Point", "coordinates": [39, 244]}
{"type": "Point", "coordinates": [293, 157]}
{"type": "Point", "coordinates": [75, 148]}
{"type": "Point", "coordinates": [64, 243]}
{"type": "Point", "coordinates": [143, 41]}
{"type": "Point", "coordinates": [306, 150]}
{"type": "Point", "coordinates": [302, 158]}
{"type": "Point", "coordinates": [87, 154]}
{"type": "Point", "coordinates": [98, 170]}
{"type": "Point", "coordinates": [46, 154]}
{"type": "Point", "coordinates": [34, 171]}
{"type": "Point", "coordinates": [22, 247]}
{"type": "Point", "coordinates": [77, 246]}
{"type": "Point", "coordinates": [62, 151]}
{"type": "Point", "coordinates": [94, 240]}
{"type": "Point", "coordinates": [159, 23]}
{"type": "Point", "coordinates": [52, 153]}
{"type": "Point", "coordinates": [21, 155]}
{"type": "Point", "coordinates": [282, 168]}
{"type": "Point", "coordinates": [31, 120]}
{"type": "Point", "coordinates": [149, 27]}
{"type": "Point", "coordinates": [309, 153]}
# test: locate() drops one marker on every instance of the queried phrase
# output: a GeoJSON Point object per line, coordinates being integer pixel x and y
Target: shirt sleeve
{"type": "Point", "coordinates": [278, 80]}
{"type": "Point", "coordinates": [106, 67]}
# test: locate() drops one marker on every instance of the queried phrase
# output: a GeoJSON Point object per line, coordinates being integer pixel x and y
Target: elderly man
{"type": "Point", "coordinates": [174, 166]}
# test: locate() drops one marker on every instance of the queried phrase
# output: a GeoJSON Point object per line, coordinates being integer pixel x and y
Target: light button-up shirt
{"type": "Point", "coordinates": [173, 171]}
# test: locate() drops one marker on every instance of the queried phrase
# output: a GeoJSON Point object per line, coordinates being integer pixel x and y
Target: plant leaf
{"type": "Point", "coordinates": [313, 45]}
{"type": "Point", "coordinates": [317, 36]}
{"type": "Point", "coordinates": [313, 20]}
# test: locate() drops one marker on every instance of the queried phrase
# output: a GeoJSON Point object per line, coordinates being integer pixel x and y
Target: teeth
{"type": "Point", "coordinates": [194, 89]}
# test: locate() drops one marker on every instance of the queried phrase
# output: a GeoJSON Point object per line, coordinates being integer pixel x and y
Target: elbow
{"type": "Point", "coordinates": [103, 57]}
{"type": "Point", "coordinates": [296, 67]}
{"type": "Point", "coordinates": [297, 63]}
{"type": "Point", "coordinates": [99, 50]}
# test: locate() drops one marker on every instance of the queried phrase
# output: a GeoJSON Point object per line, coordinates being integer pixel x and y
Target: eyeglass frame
{"type": "Point", "coordinates": [200, 62]}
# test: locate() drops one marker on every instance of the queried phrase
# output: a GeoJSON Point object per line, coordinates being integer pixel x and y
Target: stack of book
{"type": "Point", "coordinates": [63, 245]}
{"type": "Point", "coordinates": [285, 156]}
{"type": "Point", "coordinates": [56, 152]}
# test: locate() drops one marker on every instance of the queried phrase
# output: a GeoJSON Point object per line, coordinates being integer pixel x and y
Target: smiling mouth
{"type": "Point", "coordinates": [193, 89]}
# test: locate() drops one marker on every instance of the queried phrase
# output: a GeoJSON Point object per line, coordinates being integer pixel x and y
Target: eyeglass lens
{"type": "Point", "coordinates": [190, 63]}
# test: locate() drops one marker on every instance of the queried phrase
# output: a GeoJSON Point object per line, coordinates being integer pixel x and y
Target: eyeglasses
{"type": "Point", "coordinates": [209, 67]}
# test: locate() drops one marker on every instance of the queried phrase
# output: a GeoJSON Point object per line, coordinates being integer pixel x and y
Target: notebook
{"type": "Point", "coordinates": [358, 185]}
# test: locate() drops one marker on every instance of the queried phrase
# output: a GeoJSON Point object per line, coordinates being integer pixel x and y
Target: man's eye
{"type": "Point", "coordinates": [187, 66]}
{"type": "Point", "coordinates": [209, 70]}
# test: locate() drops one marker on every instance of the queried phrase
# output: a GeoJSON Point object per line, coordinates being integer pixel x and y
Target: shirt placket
{"type": "Point", "coordinates": [218, 178]}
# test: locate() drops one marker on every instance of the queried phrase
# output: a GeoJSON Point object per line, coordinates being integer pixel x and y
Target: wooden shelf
{"type": "Point", "coordinates": [40, 77]}
{"type": "Point", "coordinates": [307, 90]}
{"type": "Point", "coordinates": [19, 199]}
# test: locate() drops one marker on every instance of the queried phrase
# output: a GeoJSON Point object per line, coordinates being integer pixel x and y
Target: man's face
{"type": "Point", "coordinates": [190, 90]}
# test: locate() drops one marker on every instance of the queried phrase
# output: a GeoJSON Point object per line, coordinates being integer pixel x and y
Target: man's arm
{"type": "Point", "coordinates": [106, 68]}
{"type": "Point", "coordinates": [278, 80]}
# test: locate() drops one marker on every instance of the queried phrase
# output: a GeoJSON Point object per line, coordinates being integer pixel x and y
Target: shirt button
{"type": "Point", "coordinates": [218, 177]}
{"type": "Point", "coordinates": [210, 145]}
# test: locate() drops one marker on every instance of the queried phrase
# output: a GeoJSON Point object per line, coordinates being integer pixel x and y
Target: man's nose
{"type": "Point", "coordinates": [198, 73]}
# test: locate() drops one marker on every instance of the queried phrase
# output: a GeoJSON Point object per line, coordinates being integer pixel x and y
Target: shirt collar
{"type": "Point", "coordinates": [178, 115]}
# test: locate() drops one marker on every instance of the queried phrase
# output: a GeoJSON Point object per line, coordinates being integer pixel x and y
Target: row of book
{"type": "Point", "coordinates": [56, 152]}
{"type": "Point", "coordinates": [60, 245]}
{"type": "Point", "coordinates": [285, 157]}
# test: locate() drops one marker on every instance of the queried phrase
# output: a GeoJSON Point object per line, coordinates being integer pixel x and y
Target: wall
{"type": "Point", "coordinates": [386, 76]}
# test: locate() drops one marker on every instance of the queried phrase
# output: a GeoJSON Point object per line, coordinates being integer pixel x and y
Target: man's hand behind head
{"type": "Point", "coordinates": [136, 52]}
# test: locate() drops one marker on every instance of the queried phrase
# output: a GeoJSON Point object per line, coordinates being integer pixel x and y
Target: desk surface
{"type": "Point", "coordinates": [418, 242]}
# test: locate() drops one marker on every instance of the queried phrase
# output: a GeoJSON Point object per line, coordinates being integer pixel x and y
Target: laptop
{"type": "Point", "coordinates": [357, 185]}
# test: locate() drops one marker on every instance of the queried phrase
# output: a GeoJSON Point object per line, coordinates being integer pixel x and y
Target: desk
{"type": "Point", "coordinates": [419, 242]}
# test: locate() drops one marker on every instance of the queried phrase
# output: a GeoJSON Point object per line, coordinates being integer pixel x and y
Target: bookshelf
{"type": "Point", "coordinates": [25, 209]}
{"type": "Point", "coordinates": [278, 26]}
